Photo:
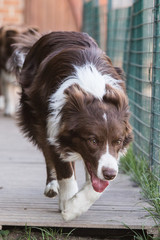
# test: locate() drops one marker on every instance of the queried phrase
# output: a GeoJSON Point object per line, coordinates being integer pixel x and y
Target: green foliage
{"type": "Point", "coordinates": [143, 236]}
{"type": "Point", "coordinates": [34, 233]}
{"type": "Point", "coordinates": [4, 234]}
{"type": "Point", "coordinates": [139, 170]}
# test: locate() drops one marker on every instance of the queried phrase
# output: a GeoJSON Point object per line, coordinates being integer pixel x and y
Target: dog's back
{"type": "Point", "coordinates": [50, 46]}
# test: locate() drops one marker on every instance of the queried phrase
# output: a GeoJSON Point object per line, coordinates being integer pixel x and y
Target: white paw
{"type": "Point", "coordinates": [67, 189]}
{"type": "Point", "coordinates": [64, 198]}
{"type": "Point", "coordinates": [69, 213]}
{"type": "Point", "coordinates": [80, 203]}
{"type": "Point", "coordinates": [51, 189]}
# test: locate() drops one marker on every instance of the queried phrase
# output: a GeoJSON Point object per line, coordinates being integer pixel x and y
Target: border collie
{"type": "Point", "coordinates": [8, 81]}
{"type": "Point", "coordinates": [73, 107]}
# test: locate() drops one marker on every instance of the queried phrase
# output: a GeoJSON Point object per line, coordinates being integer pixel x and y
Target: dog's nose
{"type": "Point", "coordinates": [109, 173]}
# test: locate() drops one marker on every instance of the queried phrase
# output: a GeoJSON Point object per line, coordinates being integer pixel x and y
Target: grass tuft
{"type": "Point", "coordinates": [4, 234]}
{"type": "Point", "coordinates": [35, 233]}
{"type": "Point", "coordinates": [138, 169]}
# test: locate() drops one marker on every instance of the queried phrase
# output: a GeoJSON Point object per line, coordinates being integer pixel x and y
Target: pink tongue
{"type": "Point", "coordinates": [98, 184]}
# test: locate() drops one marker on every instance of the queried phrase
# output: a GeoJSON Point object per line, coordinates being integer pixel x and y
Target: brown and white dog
{"type": "Point", "coordinates": [73, 106]}
{"type": "Point", "coordinates": [8, 81]}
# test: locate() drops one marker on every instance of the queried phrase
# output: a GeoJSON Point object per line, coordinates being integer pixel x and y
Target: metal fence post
{"type": "Point", "coordinates": [155, 100]}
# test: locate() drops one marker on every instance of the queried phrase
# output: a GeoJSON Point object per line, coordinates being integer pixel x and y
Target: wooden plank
{"type": "Point", "coordinates": [22, 182]}
{"type": "Point", "coordinates": [40, 205]}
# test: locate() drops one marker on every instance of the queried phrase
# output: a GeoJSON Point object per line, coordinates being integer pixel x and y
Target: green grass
{"type": "Point", "coordinates": [4, 234]}
{"type": "Point", "coordinates": [34, 233]}
{"type": "Point", "coordinates": [138, 169]}
{"type": "Point", "coordinates": [142, 236]}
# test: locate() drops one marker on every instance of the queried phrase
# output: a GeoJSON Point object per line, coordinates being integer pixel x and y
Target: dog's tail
{"type": "Point", "coordinates": [22, 46]}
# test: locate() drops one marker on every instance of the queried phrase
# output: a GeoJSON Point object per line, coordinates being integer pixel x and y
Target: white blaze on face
{"type": "Point", "coordinates": [105, 117]}
{"type": "Point", "coordinates": [107, 161]}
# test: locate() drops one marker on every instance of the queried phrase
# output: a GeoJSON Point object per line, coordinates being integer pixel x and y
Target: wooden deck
{"type": "Point", "coordinates": [22, 182]}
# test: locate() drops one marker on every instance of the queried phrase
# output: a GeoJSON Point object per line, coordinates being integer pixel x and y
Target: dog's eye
{"type": "Point", "coordinates": [93, 141]}
{"type": "Point", "coordinates": [118, 142]}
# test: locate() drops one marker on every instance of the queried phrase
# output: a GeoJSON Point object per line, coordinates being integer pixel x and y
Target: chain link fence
{"type": "Point", "coordinates": [133, 43]}
{"type": "Point", "coordinates": [94, 20]}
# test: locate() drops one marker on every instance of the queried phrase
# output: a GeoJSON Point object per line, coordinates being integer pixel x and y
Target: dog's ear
{"type": "Point", "coordinates": [69, 112]}
{"type": "Point", "coordinates": [76, 101]}
{"type": "Point", "coordinates": [116, 97]}
{"type": "Point", "coordinates": [129, 135]}
{"type": "Point", "coordinates": [74, 96]}
{"type": "Point", "coordinates": [111, 95]}
{"type": "Point", "coordinates": [120, 72]}
{"type": "Point", "coordinates": [77, 98]}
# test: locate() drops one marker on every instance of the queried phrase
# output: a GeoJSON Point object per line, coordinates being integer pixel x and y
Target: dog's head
{"type": "Point", "coordinates": [98, 130]}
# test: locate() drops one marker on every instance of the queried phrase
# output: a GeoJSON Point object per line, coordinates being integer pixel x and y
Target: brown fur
{"type": "Point", "coordinates": [47, 64]}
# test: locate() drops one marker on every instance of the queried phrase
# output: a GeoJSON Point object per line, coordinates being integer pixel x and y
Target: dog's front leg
{"type": "Point", "coordinates": [80, 203]}
{"type": "Point", "coordinates": [67, 189]}
{"type": "Point", "coordinates": [67, 183]}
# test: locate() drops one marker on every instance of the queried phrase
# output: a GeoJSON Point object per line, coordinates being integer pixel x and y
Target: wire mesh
{"type": "Point", "coordinates": [133, 42]}
{"type": "Point", "coordinates": [118, 35]}
{"type": "Point", "coordinates": [91, 19]}
{"type": "Point", "coordinates": [137, 51]}
{"type": "Point", "coordinates": [139, 77]}
{"type": "Point", "coordinates": [94, 21]}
